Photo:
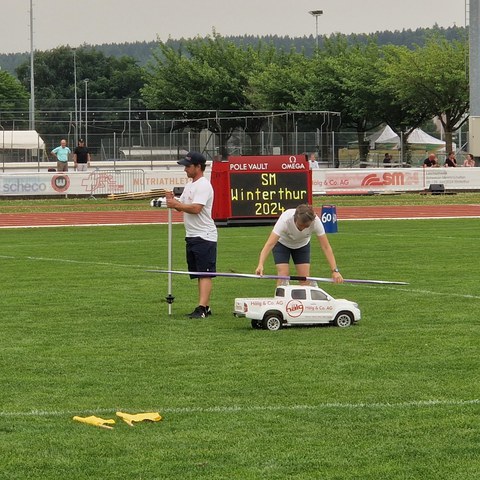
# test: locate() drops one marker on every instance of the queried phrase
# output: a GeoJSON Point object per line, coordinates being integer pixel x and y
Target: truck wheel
{"type": "Point", "coordinates": [272, 322]}
{"type": "Point", "coordinates": [343, 319]}
{"type": "Point", "coordinates": [257, 324]}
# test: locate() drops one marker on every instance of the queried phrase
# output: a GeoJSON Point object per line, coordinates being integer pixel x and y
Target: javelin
{"type": "Point", "coordinates": [274, 277]}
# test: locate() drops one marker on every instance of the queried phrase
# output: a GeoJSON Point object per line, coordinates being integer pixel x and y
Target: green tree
{"type": "Point", "coordinates": [13, 98]}
{"type": "Point", "coordinates": [110, 79]}
{"type": "Point", "coordinates": [346, 79]}
{"type": "Point", "coordinates": [207, 75]}
{"type": "Point", "coordinates": [434, 79]}
{"type": "Point", "coordinates": [281, 85]}
{"type": "Point", "coordinates": [401, 114]}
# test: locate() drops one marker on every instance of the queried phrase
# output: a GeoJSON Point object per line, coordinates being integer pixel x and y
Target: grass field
{"type": "Point", "coordinates": [85, 330]}
{"type": "Point", "coordinates": [86, 204]}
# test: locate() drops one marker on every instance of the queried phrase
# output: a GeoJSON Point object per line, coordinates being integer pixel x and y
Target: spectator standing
{"type": "Point", "coordinates": [387, 160]}
{"type": "Point", "coordinates": [196, 204]}
{"type": "Point", "coordinates": [81, 157]}
{"type": "Point", "coordinates": [61, 154]}
{"type": "Point", "coordinates": [312, 161]}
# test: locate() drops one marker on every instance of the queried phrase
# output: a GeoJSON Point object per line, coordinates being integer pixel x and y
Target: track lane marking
{"type": "Point", "coordinates": [255, 408]}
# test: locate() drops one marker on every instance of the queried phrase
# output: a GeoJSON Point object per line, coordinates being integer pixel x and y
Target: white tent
{"type": "Point", "coordinates": [382, 135]}
{"type": "Point", "coordinates": [21, 144]}
{"type": "Point", "coordinates": [21, 140]}
{"type": "Point", "coordinates": [418, 137]}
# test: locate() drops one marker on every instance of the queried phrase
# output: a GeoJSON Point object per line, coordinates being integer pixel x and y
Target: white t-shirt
{"type": "Point", "coordinates": [201, 224]}
{"type": "Point", "coordinates": [290, 235]}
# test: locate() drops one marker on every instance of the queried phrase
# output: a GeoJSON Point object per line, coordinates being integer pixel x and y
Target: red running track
{"type": "Point", "coordinates": [159, 216]}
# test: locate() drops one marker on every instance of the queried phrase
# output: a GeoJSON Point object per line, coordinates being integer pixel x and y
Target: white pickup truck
{"type": "Point", "coordinates": [297, 305]}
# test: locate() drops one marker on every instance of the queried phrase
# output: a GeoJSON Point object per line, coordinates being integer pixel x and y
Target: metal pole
{"type": "Point", "coordinates": [401, 148]}
{"type": "Point", "coordinates": [75, 93]}
{"type": "Point", "coordinates": [3, 148]}
{"type": "Point", "coordinates": [333, 148]}
{"type": "Point", "coordinates": [86, 111]}
{"type": "Point", "coordinates": [316, 14]}
{"type": "Point", "coordinates": [38, 152]}
{"type": "Point", "coordinates": [150, 139]}
{"type": "Point", "coordinates": [169, 297]}
{"type": "Point", "coordinates": [79, 118]}
{"type": "Point", "coordinates": [129, 128]}
{"type": "Point", "coordinates": [32, 76]}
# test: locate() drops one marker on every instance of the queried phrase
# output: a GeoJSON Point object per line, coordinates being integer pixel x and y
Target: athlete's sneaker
{"type": "Point", "coordinates": [208, 311]}
{"type": "Point", "coordinates": [199, 312]}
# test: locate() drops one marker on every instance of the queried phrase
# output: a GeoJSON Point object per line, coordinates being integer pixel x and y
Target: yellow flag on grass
{"type": "Point", "coordinates": [139, 417]}
{"type": "Point", "coordinates": [96, 421]}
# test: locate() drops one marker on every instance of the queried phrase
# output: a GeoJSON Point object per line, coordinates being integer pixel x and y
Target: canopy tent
{"type": "Point", "coordinates": [21, 145]}
{"type": "Point", "coordinates": [21, 140]}
{"type": "Point", "coordinates": [419, 138]}
{"type": "Point", "coordinates": [382, 135]}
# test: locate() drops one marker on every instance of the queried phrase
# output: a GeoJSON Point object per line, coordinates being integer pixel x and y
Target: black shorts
{"type": "Point", "coordinates": [201, 256]}
{"type": "Point", "coordinates": [282, 254]}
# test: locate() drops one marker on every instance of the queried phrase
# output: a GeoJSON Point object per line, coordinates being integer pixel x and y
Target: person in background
{"type": "Point", "coordinates": [61, 154]}
{"type": "Point", "coordinates": [291, 238]}
{"type": "Point", "coordinates": [81, 157]}
{"type": "Point", "coordinates": [201, 233]}
{"type": "Point", "coordinates": [312, 161]}
{"type": "Point", "coordinates": [430, 161]}
{"type": "Point", "coordinates": [469, 161]}
{"type": "Point", "coordinates": [387, 159]}
{"type": "Point", "coordinates": [450, 161]}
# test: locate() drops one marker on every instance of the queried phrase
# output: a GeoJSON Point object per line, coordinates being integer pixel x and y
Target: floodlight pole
{"type": "Point", "coordinates": [316, 14]}
{"type": "Point", "coordinates": [75, 92]}
{"type": "Point", "coordinates": [86, 110]}
{"type": "Point", "coordinates": [32, 75]}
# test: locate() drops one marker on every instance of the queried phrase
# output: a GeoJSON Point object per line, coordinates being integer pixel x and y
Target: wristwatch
{"type": "Point", "coordinates": [335, 270]}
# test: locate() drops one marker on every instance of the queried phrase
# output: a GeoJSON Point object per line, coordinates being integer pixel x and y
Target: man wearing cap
{"type": "Point", "coordinates": [201, 233]}
{"type": "Point", "coordinates": [81, 157]}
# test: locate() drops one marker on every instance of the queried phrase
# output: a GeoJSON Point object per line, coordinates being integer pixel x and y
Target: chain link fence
{"type": "Point", "coordinates": [116, 131]}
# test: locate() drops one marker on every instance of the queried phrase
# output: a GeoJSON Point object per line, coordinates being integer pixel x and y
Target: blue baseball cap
{"type": "Point", "coordinates": [192, 158]}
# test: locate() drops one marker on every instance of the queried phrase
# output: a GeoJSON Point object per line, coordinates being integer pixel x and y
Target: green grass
{"type": "Point", "coordinates": [85, 330]}
{"type": "Point", "coordinates": [86, 204]}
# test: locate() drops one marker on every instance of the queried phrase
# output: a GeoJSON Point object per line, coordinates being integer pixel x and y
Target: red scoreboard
{"type": "Point", "coordinates": [259, 188]}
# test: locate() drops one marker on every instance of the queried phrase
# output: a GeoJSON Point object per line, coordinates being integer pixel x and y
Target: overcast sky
{"type": "Point", "coordinates": [74, 22]}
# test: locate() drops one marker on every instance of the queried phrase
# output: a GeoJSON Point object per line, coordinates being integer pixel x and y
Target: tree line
{"type": "Point", "coordinates": [370, 84]}
{"type": "Point", "coordinates": [142, 51]}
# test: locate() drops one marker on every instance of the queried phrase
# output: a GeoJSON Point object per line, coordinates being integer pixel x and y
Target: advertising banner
{"type": "Point", "coordinates": [393, 180]}
{"type": "Point", "coordinates": [96, 182]}
{"type": "Point", "coordinates": [324, 181]}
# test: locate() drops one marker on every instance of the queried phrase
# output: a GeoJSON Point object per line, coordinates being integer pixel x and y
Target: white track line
{"type": "Point", "coordinates": [150, 267]}
{"type": "Point", "coordinates": [89, 225]}
{"type": "Point", "coordinates": [422, 292]}
{"type": "Point", "coordinates": [178, 223]}
{"type": "Point", "coordinates": [258, 408]}
{"type": "Point", "coordinates": [406, 218]}
{"type": "Point", "coordinates": [80, 262]}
